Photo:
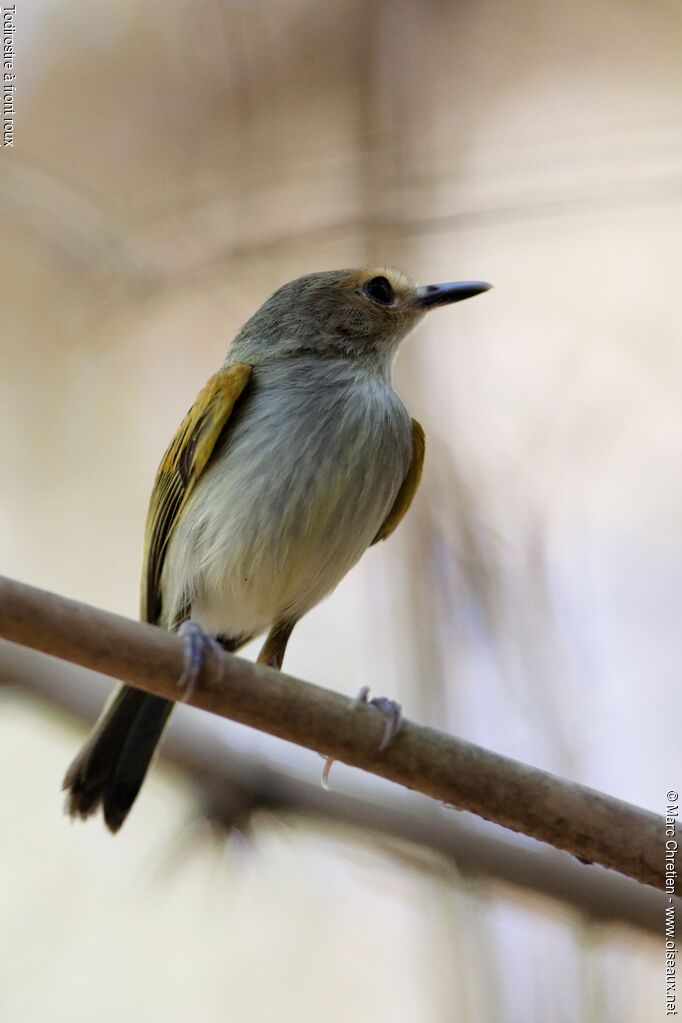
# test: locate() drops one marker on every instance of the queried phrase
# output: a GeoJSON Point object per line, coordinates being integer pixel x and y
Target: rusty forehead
{"type": "Point", "coordinates": [400, 282]}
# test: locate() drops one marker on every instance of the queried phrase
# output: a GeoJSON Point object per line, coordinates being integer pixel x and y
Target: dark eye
{"type": "Point", "coordinates": [380, 290]}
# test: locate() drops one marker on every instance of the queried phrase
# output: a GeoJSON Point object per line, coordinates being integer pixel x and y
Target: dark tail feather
{"type": "Point", "coordinates": [112, 764]}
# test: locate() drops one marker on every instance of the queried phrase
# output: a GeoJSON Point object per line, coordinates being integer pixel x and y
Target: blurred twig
{"type": "Point", "coordinates": [232, 784]}
{"type": "Point", "coordinates": [588, 824]}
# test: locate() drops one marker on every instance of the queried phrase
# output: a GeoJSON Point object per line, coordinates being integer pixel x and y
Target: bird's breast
{"type": "Point", "coordinates": [298, 489]}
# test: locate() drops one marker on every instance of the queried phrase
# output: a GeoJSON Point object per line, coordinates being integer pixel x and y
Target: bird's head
{"type": "Point", "coordinates": [358, 314]}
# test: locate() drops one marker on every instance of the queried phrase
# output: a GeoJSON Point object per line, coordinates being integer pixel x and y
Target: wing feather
{"type": "Point", "coordinates": [409, 486]}
{"type": "Point", "coordinates": [181, 466]}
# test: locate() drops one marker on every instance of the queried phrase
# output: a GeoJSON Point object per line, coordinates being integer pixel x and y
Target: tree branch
{"type": "Point", "coordinates": [581, 821]}
{"type": "Point", "coordinates": [232, 783]}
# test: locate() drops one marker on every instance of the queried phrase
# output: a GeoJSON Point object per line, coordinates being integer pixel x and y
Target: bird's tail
{"type": "Point", "coordinates": [111, 766]}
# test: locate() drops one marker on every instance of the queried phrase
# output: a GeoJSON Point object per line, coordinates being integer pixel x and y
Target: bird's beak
{"type": "Point", "coordinates": [443, 294]}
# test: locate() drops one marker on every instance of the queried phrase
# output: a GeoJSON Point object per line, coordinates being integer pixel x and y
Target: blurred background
{"type": "Point", "coordinates": [172, 165]}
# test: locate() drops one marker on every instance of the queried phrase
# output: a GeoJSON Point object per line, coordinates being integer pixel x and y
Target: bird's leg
{"type": "Point", "coordinates": [272, 652]}
{"type": "Point", "coordinates": [393, 714]}
{"type": "Point", "coordinates": [195, 643]}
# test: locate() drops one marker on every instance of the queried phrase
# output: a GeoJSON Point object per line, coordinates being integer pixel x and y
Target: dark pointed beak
{"type": "Point", "coordinates": [444, 294]}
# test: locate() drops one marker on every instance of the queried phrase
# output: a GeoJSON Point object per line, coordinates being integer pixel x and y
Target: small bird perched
{"type": "Point", "coordinates": [295, 458]}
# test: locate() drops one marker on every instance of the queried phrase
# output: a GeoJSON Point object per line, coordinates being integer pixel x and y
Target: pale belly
{"type": "Point", "coordinates": [299, 491]}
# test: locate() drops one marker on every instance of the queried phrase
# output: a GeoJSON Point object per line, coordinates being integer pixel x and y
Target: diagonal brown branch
{"type": "Point", "coordinates": [232, 783]}
{"type": "Point", "coordinates": [581, 821]}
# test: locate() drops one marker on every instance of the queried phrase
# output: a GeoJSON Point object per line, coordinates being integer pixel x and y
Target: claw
{"type": "Point", "coordinates": [195, 642]}
{"type": "Point", "coordinates": [362, 696]}
{"type": "Point", "coordinates": [324, 780]}
{"type": "Point", "coordinates": [393, 714]}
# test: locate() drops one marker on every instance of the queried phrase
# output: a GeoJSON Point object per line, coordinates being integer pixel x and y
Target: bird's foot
{"type": "Point", "coordinates": [271, 659]}
{"type": "Point", "coordinates": [196, 643]}
{"type": "Point", "coordinates": [393, 714]}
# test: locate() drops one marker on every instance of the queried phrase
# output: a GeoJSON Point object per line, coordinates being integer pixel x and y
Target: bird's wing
{"type": "Point", "coordinates": [181, 466]}
{"type": "Point", "coordinates": [410, 484]}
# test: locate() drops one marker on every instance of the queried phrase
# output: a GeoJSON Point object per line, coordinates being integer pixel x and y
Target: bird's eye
{"type": "Point", "coordinates": [379, 290]}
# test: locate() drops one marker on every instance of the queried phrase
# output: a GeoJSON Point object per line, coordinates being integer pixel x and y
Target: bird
{"type": "Point", "coordinates": [295, 458]}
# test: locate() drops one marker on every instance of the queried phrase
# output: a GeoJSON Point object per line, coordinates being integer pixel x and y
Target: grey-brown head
{"type": "Point", "coordinates": [359, 314]}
